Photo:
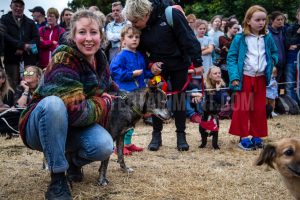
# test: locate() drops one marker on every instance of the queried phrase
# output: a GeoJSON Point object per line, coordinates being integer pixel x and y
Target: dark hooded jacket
{"type": "Point", "coordinates": [279, 39]}
{"type": "Point", "coordinates": [292, 38]}
{"type": "Point", "coordinates": [176, 46]}
{"type": "Point", "coordinates": [16, 37]}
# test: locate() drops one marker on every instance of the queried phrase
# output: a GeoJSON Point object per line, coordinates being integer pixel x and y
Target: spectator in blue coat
{"type": "Point", "coordinates": [128, 70]}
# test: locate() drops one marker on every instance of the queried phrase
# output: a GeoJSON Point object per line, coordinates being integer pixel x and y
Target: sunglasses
{"type": "Point", "coordinates": [2, 77]}
{"type": "Point", "coordinates": [29, 73]}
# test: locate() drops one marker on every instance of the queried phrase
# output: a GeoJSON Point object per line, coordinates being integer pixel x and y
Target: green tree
{"type": "Point", "coordinates": [206, 9]}
{"type": "Point", "coordinates": [103, 5]}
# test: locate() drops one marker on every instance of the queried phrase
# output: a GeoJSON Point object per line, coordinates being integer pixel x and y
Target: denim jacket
{"type": "Point", "coordinates": [237, 54]}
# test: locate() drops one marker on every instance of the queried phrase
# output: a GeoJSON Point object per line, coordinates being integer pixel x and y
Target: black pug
{"type": "Point", "coordinates": [127, 110]}
{"type": "Point", "coordinates": [211, 110]}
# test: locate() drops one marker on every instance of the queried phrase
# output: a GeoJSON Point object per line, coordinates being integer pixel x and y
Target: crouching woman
{"type": "Point", "coordinates": [69, 109]}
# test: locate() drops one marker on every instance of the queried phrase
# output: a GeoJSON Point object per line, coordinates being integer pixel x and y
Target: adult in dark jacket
{"type": "Point", "coordinates": [20, 40]}
{"type": "Point", "coordinates": [276, 29]}
{"type": "Point", "coordinates": [293, 46]}
{"type": "Point", "coordinates": [170, 51]}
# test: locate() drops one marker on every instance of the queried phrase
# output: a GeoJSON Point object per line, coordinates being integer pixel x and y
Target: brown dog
{"type": "Point", "coordinates": [284, 156]}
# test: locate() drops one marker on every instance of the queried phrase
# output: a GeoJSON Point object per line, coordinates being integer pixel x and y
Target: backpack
{"type": "Point", "coordinates": [286, 105]}
{"type": "Point", "coordinates": [169, 15]}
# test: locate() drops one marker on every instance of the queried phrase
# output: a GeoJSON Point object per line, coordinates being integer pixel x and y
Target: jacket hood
{"type": "Point", "coordinates": [73, 50]}
{"type": "Point", "coordinates": [68, 49]}
{"type": "Point", "coordinates": [274, 31]}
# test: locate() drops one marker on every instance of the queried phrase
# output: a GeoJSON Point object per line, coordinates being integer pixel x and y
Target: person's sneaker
{"type": "Point", "coordinates": [195, 118]}
{"type": "Point", "coordinates": [257, 142]}
{"type": "Point", "coordinates": [58, 188]}
{"type": "Point", "coordinates": [133, 147]}
{"type": "Point", "coordinates": [74, 173]}
{"type": "Point", "coordinates": [274, 114]}
{"type": "Point", "coordinates": [246, 144]}
{"type": "Point", "coordinates": [126, 152]}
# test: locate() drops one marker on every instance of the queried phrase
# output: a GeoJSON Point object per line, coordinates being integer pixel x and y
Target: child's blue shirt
{"type": "Point", "coordinates": [122, 67]}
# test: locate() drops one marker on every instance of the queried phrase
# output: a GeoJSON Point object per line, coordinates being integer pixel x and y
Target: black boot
{"type": "Point", "coordinates": [155, 141]}
{"type": "Point", "coordinates": [182, 145]}
{"type": "Point", "coordinates": [74, 173]}
{"type": "Point", "coordinates": [58, 188]}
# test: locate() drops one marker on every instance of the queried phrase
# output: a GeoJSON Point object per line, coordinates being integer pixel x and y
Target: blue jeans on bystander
{"type": "Point", "coordinates": [291, 73]}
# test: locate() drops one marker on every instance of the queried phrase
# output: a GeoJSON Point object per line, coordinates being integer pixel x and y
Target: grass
{"type": "Point", "coordinates": [167, 174]}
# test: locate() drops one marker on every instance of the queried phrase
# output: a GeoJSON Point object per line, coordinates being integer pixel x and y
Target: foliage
{"type": "Point", "coordinates": [206, 9]}
{"type": "Point", "coordinates": [103, 5]}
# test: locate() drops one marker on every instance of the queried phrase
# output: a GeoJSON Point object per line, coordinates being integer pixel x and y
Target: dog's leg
{"type": "Point", "coordinates": [215, 140]}
{"type": "Point", "coordinates": [204, 135]}
{"type": "Point", "coordinates": [215, 136]}
{"type": "Point", "coordinates": [120, 148]}
{"type": "Point", "coordinates": [103, 181]}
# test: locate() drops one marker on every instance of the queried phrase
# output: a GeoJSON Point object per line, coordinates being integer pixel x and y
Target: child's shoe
{"type": "Point", "coordinates": [195, 118]}
{"type": "Point", "coordinates": [126, 152]}
{"type": "Point", "coordinates": [274, 114]}
{"type": "Point", "coordinates": [132, 147]}
{"type": "Point", "coordinates": [246, 144]}
{"type": "Point", "coordinates": [257, 142]}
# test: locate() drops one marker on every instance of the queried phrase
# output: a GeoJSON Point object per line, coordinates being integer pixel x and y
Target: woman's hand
{"type": "Point", "coordinates": [137, 72]}
{"type": "Point", "coordinates": [196, 97]}
{"type": "Point", "coordinates": [24, 84]}
{"type": "Point", "coordinates": [108, 96]}
{"type": "Point", "coordinates": [293, 47]}
{"type": "Point", "coordinates": [156, 68]}
{"type": "Point", "coordinates": [235, 83]}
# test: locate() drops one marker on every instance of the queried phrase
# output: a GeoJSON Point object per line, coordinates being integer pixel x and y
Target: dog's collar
{"type": "Point", "coordinates": [137, 110]}
{"type": "Point", "coordinates": [133, 107]}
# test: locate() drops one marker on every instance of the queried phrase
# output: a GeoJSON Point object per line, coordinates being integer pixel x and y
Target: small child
{"type": "Point", "coordinates": [272, 91]}
{"type": "Point", "coordinates": [207, 46]}
{"type": "Point", "coordinates": [128, 70]}
{"type": "Point", "coordinates": [250, 60]}
{"type": "Point", "coordinates": [6, 92]}
{"type": "Point", "coordinates": [196, 79]}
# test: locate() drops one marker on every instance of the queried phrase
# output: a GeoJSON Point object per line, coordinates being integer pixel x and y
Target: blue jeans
{"type": "Point", "coordinates": [290, 73]}
{"type": "Point", "coordinates": [47, 131]}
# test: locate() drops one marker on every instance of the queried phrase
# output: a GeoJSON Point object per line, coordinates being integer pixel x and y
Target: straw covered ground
{"type": "Point", "coordinates": [167, 174]}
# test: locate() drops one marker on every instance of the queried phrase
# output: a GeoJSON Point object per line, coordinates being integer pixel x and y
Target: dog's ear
{"type": "Point", "coordinates": [267, 155]}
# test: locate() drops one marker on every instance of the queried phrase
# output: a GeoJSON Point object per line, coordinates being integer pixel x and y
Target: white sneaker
{"type": "Point", "coordinates": [274, 114]}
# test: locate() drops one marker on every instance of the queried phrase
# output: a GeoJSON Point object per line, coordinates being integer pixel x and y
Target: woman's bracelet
{"type": "Point", "coordinates": [25, 94]}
